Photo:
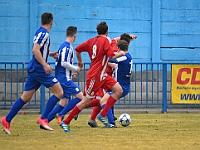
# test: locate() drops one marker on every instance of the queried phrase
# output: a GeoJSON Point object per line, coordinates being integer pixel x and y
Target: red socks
{"type": "Point", "coordinates": [75, 111]}
{"type": "Point", "coordinates": [111, 101]}
{"type": "Point", "coordinates": [93, 103]}
{"type": "Point", "coordinates": [95, 112]}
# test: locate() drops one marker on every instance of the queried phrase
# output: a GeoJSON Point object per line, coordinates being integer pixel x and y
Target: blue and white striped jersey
{"type": "Point", "coordinates": [65, 55]}
{"type": "Point", "coordinates": [124, 69]}
{"type": "Point", "coordinates": [42, 38]}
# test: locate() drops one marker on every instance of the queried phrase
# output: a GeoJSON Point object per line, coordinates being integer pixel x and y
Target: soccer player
{"type": "Point", "coordinates": [99, 50]}
{"type": "Point", "coordinates": [39, 72]}
{"type": "Point", "coordinates": [64, 72]}
{"type": "Point", "coordinates": [116, 73]}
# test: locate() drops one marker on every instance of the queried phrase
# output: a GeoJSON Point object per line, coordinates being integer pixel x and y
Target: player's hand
{"type": "Point", "coordinates": [54, 54]}
{"type": "Point", "coordinates": [74, 75]}
{"type": "Point", "coordinates": [78, 69]}
{"type": "Point", "coordinates": [133, 36]}
{"type": "Point", "coordinates": [47, 68]}
{"type": "Point", "coordinates": [80, 64]}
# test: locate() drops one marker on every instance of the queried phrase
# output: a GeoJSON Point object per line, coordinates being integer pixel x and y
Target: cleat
{"type": "Point", "coordinates": [103, 120]}
{"type": "Point", "coordinates": [66, 127]}
{"type": "Point", "coordinates": [44, 123]}
{"type": "Point", "coordinates": [115, 118]}
{"type": "Point", "coordinates": [92, 123]}
{"type": "Point", "coordinates": [59, 118]}
{"type": "Point", "coordinates": [112, 125]}
{"type": "Point", "coordinates": [6, 125]}
{"type": "Point", "coordinates": [41, 127]}
{"type": "Point", "coordinates": [75, 117]}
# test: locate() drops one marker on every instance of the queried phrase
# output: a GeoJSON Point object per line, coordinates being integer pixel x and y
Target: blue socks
{"type": "Point", "coordinates": [49, 106]}
{"type": "Point", "coordinates": [70, 105]}
{"type": "Point", "coordinates": [14, 110]}
{"type": "Point", "coordinates": [56, 110]}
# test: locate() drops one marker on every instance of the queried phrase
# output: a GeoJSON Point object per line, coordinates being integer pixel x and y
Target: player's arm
{"type": "Point", "coordinates": [133, 36]}
{"type": "Point", "coordinates": [38, 56]}
{"type": "Point", "coordinates": [117, 60]}
{"type": "Point", "coordinates": [118, 54]}
{"type": "Point", "coordinates": [65, 62]}
{"type": "Point", "coordinates": [79, 58]}
{"type": "Point", "coordinates": [112, 65]}
{"type": "Point", "coordinates": [54, 54]}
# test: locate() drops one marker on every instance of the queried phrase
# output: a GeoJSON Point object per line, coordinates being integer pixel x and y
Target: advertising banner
{"type": "Point", "coordinates": [185, 84]}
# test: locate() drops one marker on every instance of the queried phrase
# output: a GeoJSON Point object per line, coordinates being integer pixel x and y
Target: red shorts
{"type": "Point", "coordinates": [92, 86]}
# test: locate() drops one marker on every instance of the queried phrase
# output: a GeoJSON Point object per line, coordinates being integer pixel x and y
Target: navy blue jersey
{"type": "Point", "coordinates": [65, 54]}
{"type": "Point", "coordinates": [124, 70]}
{"type": "Point", "coordinates": [42, 38]}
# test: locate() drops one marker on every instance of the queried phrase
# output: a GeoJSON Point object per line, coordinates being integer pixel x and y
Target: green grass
{"type": "Point", "coordinates": [146, 132]}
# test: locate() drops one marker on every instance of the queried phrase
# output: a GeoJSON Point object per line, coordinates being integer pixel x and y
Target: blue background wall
{"type": "Point", "coordinates": [167, 30]}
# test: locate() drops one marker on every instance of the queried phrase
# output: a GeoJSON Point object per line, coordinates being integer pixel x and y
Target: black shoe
{"type": "Point", "coordinates": [92, 123]}
{"type": "Point", "coordinates": [75, 117]}
{"type": "Point", "coordinates": [41, 127]}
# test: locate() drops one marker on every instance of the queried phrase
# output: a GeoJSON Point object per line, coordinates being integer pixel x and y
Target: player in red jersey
{"type": "Point", "coordinates": [99, 50]}
{"type": "Point", "coordinates": [110, 71]}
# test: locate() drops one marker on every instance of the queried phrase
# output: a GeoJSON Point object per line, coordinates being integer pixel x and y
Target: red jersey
{"type": "Point", "coordinates": [110, 70]}
{"type": "Point", "coordinates": [100, 50]}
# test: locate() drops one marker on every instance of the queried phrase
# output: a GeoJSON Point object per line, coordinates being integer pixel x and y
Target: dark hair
{"type": "Point", "coordinates": [46, 18]}
{"type": "Point", "coordinates": [125, 37]}
{"type": "Point", "coordinates": [102, 28]}
{"type": "Point", "coordinates": [71, 30]}
{"type": "Point", "coordinates": [122, 45]}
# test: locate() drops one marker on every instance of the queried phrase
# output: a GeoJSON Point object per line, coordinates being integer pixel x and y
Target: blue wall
{"type": "Point", "coordinates": [166, 30]}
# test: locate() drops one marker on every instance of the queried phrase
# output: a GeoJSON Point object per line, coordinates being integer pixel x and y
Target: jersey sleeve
{"type": "Point", "coordinates": [82, 47]}
{"type": "Point", "coordinates": [41, 37]}
{"type": "Point", "coordinates": [110, 49]}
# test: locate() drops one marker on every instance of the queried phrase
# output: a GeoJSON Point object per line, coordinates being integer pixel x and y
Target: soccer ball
{"type": "Point", "coordinates": [125, 119]}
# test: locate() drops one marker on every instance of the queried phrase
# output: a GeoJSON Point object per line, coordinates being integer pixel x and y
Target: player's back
{"type": "Point", "coordinates": [41, 38]}
{"type": "Point", "coordinates": [124, 70]}
{"type": "Point", "coordinates": [65, 54]}
{"type": "Point", "coordinates": [99, 50]}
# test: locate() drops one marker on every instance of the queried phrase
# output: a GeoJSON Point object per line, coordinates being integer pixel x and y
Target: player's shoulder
{"type": "Point", "coordinates": [128, 55]}
{"type": "Point", "coordinates": [42, 32]}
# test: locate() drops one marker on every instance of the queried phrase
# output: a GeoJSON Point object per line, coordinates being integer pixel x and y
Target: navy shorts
{"type": "Point", "coordinates": [36, 79]}
{"type": "Point", "coordinates": [126, 90]}
{"type": "Point", "coordinates": [70, 88]}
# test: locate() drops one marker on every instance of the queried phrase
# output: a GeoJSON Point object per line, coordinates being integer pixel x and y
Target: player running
{"type": "Point", "coordinates": [99, 50]}
{"type": "Point", "coordinates": [64, 71]}
{"type": "Point", "coordinates": [39, 72]}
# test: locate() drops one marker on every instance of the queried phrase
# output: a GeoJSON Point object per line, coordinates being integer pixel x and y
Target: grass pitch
{"type": "Point", "coordinates": [146, 132]}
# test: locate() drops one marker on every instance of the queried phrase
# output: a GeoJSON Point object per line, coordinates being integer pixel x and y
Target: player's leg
{"type": "Point", "coordinates": [59, 107]}
{"type": "Point", "coordinates": [70, 105]}
{"type": "Point", "coordinates": [97, 108]}
{"type": "Point", "coordinates": [49, 81]}
{"type": "Point", "coordinates": [76, 110]}
{"type": "Point", "coordinates": [70, 88]}
{"type": "Point", "coordinates": [30, 87]}
{"type": "Point", "coordinates": [95, 111]}
{"type": "Point", "coordinates": [117, 91]}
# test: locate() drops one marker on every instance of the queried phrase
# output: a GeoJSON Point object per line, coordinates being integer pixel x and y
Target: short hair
{"type": "Point", "coordinates": [102, 28]}
{"type": "Point", "coordinates": [122, 45]}
{"type": "Point", "coordinates": [125, 37]}
{"type": "Point", "coordinates": [46, 18]}
{"type": "Point", "coordinates": [71, 30]}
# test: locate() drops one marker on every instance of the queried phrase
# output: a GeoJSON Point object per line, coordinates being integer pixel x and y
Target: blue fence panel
{"type": "Point", "coordinates": [150, 85]}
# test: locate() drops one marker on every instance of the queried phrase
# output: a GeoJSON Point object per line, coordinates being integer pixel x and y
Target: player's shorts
{"type": "Point", "coordinates": [100, 93]}
{"type": "Point", "coordinates": [70, 88]}
{"type": "Point", "coordinates": [36, 79]}
{"type": "Point", "coordinates": [92, 86]}
{"type": "Point", "coordinates": [126, 90]}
